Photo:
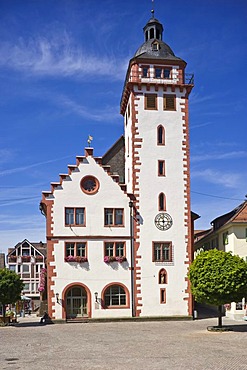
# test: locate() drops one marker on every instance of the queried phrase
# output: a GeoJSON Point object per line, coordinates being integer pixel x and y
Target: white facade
{"type": "Point", "coordinates": [155, 204]}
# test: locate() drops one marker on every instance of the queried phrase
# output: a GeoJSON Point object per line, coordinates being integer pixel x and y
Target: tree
{"type": "Point", "coordinates": [217, 278]}
{"type": "Point", "coordinates": [10, 288]}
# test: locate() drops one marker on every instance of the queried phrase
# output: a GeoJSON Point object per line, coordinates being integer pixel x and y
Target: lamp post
{"type": "Point", "coordinates": [131, 205]}
{"type": "Point", "coordinates": [96, 297]}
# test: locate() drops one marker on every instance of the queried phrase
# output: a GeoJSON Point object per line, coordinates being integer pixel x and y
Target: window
{"type": "Point", "coordinates": [214, 243]}
{"type": "Point", "coordinates": [151, 101]}
{"type": "Point", "coordinates": [160, 135]}
{"type": "Point", "coordinates": [145, 71]}
{"type": "Point", "coordinates": [225, 238]}
{"type": "Point", "coordinates": [12, 267]}
{"type": "Point", "coordinates": [162, 202]}
{"type": "Point", "coordinates": [69, 249]}
{"type": "Point", "coordinates": [113, 216]}
{"type": "Point", "coordinates": [155, 46]}
{"type": "Point", "coordinates": [169, 102]}
{"type": "Point", "coordinates": [25, 268]}
{"type": "Point", "coordinates": [158, 72]}
{"type": "Point", "coordinates": [115, 296]}
{"type": "Point", "coordinates": [75, 249]}
{"type": "Point", "coordinates": [89, 185]}
{"type": "Point", "coordinates": [114, 249]}
{"type": "Point", "coordinates": [162, 276]}
{"type": "Point", "coordinates": [167, 73]}
{"type": "Point", "coordinates": [26, 287]}
{"type": "Point", "coordinates": [163, 295]}
{"type": "Point", "coordinates": [162, 252]}
{"type": "Point", "coordinates": [163, 72]}
{"type": "Point", "coordinates": [81, 249]}
{"type": "Point", "coordinates": [161, 168]}
{"type": "Point", "coordinates": [75, 216]}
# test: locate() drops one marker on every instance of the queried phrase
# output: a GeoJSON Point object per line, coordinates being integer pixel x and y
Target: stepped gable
{"type": "Point", "coordinates": [80, 159]}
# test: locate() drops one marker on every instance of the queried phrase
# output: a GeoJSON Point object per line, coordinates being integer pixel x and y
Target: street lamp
{"type": "Point", "coordinates": [96, 297]}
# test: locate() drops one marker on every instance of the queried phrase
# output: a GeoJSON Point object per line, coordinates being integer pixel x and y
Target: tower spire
{"type": "Point", "coordinates": [152, 11]}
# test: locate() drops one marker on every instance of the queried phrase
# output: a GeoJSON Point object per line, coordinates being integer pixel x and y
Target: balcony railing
{"type": "Point", "coordinates": [174, 79]}
{"type": "Point", "coordinates": [189, 78]}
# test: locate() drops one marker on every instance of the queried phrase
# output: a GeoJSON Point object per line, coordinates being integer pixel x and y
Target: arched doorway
{"type": "Point", "coordinates": [76, 302]}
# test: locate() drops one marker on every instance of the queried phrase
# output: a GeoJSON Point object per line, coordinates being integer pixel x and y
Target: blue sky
{"type": "Point", "coordinates": [62, 68]}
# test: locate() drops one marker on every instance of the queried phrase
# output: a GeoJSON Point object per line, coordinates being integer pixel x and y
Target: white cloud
{"type": "Point", "coordinates": [201, 125]}
{"type": "Point", "coordinates": [219, 156]}
{"type": "Point", "coordinates": [229, 180]}
{"type": "Point", "coordinates": [58, 56]}
{"type": "Point", "coordinates": [24, 168]}
{"type": "Point", "coordinates": [108, 114]}
{"type": "Point", "coordinates": [5, 155]}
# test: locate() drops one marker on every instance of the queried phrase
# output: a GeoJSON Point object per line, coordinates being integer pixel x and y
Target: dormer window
{"type": "Point", "coordinates": [155, 46]}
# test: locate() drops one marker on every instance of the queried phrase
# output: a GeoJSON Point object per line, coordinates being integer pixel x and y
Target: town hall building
{"type": "Point", "coordinates": [119, 227]}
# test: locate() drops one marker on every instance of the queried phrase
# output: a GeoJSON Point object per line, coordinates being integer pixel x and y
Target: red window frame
{"type": "Point", "coordinates": [115, 249]}
{"type": "Point", "coordinates": [162, 259]}
{"type": "Point", "coordinates": [162, 202]}
{"type": "Point", "coordinates": [163, 295]}
{"type": "Point", "coordinates": [114, 216]}
{"type": "Point", "coordinates": [74, 216]}
{"type": "Point", "coordinates": [160, 135]}
{"type": "Point", "coordinates": [161, 167]}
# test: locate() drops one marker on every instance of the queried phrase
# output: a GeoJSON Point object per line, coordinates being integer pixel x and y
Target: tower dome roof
{"type": "Point", "coordinates": [154, 47]}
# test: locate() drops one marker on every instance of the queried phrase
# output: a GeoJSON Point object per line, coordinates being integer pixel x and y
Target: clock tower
{"type": "Point", "coordinates": [154, 105]}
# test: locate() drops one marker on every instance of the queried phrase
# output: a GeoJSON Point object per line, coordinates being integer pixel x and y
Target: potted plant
{"type": "Point", "coordinates": [109, 259]}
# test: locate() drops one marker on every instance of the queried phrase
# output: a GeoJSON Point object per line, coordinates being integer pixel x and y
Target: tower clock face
{"type": "Point", "coordinates": [163, 221]}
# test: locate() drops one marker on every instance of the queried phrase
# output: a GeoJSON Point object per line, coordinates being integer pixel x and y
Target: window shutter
{"type": "Point", "coordinates": [169, 102]}
{"type": "Point", "coordinates": [151, 101]}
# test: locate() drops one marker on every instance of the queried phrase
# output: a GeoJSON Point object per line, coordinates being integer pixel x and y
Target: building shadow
{"type": "Point", "coordinates": [203, 311]}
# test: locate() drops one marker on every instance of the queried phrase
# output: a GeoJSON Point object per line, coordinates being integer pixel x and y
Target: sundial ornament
{"type": "Point", "coordinates": [163, 221]}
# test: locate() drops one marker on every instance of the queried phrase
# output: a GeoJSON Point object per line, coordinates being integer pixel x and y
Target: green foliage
{"type": "Point", "coordinates": [218, 277]}
{"type": "Point", "coordinates": [10, 286]}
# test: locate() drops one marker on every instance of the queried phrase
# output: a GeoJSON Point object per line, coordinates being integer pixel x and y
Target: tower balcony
{"type": "Point", "coordinates": [175, 78]}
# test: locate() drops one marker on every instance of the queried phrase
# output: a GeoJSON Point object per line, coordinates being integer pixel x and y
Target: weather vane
{"type": "Point", "coordinates": [152, 11]}
{"type": "Point", "coordinates": [89, 140]}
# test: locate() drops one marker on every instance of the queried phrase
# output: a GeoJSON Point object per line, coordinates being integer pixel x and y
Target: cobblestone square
{"type": "Point", "coordinates": [123, 345]}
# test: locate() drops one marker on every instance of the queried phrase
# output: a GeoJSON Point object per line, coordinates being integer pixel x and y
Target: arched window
{"type": "Point", "coordinates": [160, 135]}
{"type": "Point", "coordinates": [115, 296]}
{"type": "Point", "coordinates": [146, 34]}
{"type": "Point", "coordinates": [162, 276]}
{"type": "Point", "coordinates": [151, 33]}
{"type": "Point", "coordinates": [162, 202]}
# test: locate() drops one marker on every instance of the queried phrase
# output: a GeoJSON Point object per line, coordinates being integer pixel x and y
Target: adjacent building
{"type": "Point", "coordinates": [228, 233]}
{"type": "Point", "coordinates": [27, 259]}
{"type": "Point", "coordinates": [119, 227]}
{"type": "Point", "coordinates": [2, 260]}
